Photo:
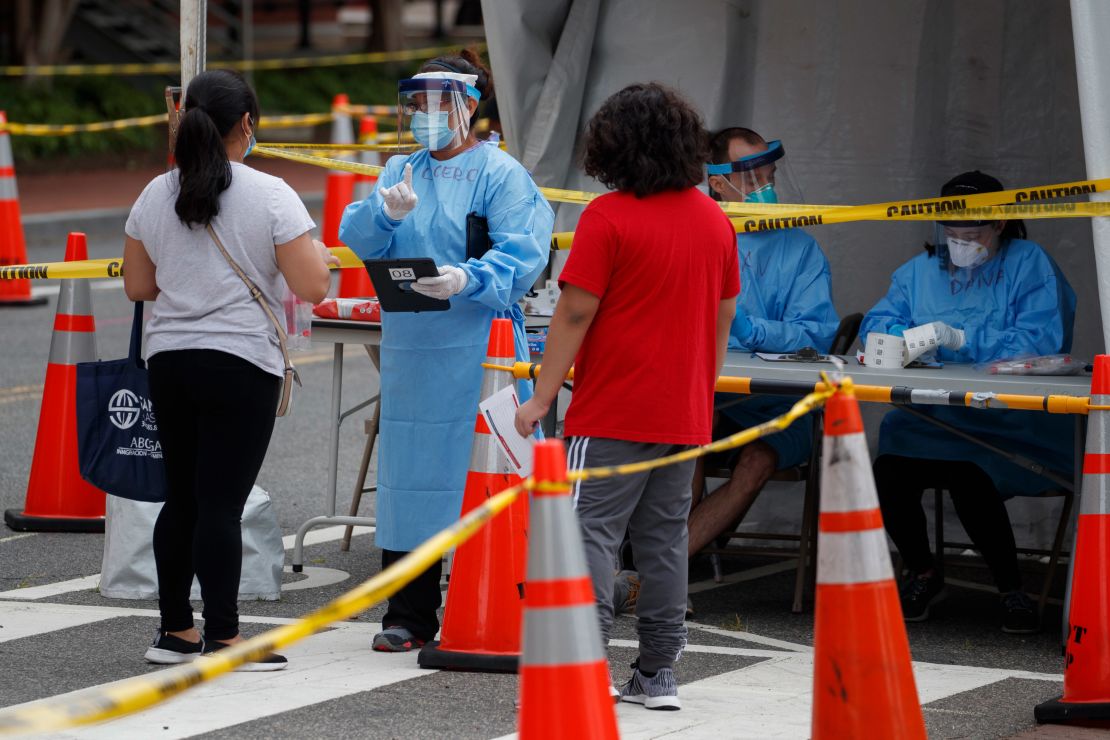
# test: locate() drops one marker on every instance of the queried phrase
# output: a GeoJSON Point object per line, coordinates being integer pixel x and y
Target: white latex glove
{"type": "Point", "coordinates": [401, 198]}
{"type": "Point", "coordinates": [949, 336]}
{"type": "Point", "coordinates": [451, 280]}
{"type": "Point", "coordinates": [928, 337]}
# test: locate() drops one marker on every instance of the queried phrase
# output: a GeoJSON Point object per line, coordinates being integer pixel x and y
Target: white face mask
{"type": "Point", "coordinates": [967, 253]}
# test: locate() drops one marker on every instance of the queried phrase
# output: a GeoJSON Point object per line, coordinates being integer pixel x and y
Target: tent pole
{"type": "Point", "coordinates": [1090, 21]}
{"type": "Point", "coordinates": [194, 40]}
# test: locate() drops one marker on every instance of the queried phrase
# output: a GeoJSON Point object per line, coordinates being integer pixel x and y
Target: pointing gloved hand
{"type": "Point", "coordinates": [401, 198]}
{"type": "Point", "coordinates": [451, 280]}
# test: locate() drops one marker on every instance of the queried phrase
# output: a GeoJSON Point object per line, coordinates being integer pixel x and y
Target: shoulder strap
{"type": "Point", "coordinates": [256, 294]}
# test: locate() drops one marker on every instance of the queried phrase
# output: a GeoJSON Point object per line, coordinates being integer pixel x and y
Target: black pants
{"type": "Point", "coordinates": [414, 606]}
{"type": "Point", "coordinates": [215, 414]}
{"type": "Point", "coordinates": [901, 481]}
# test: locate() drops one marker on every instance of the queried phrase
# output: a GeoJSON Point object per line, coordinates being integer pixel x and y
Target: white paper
{"type": "Point", "coordinates": [885, 351]}
{"type": "Point", "coordinates": [919, 341]}
{"type": "Point", "coordinates": [499, 411]}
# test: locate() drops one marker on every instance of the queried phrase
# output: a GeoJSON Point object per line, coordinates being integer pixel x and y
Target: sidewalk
{"type": "Point", "coordinates": [111, 189]}
{"type": "Point", "coordinates": [97, 202]}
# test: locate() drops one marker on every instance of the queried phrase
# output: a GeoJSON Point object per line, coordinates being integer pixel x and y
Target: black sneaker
{"type": "Point", "coordinates": [1019, 616]}
{"type": "Point", "coordinates": [396, 640]}
{"type": "Point", "coordinates": [919, 594]}
{"type": "Point", "coordinates": [271, 662]}
{"type": "Point", "coordinates": [169, 650]}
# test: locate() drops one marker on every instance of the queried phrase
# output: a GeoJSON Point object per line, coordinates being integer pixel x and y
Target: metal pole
{"type": "Point", "coordinates": [248, 37]}
{"type": "Point", "coordinates": [194, 40]}
{"type": "Point", "coordinates": [1090, 23]}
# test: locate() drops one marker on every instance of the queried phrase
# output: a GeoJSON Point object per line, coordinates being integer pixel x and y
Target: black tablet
{"type": "Point", "coordinates": [393, 281]}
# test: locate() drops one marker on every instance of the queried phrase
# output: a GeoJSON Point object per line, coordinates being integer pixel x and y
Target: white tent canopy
{"type": "Point", "coordinates": [874, 101]}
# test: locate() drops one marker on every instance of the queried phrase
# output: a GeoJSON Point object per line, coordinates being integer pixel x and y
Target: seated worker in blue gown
{"type": "Point", "coordinates": [785, 304]}
{"type": "Point", "coordinates": [988, 294]}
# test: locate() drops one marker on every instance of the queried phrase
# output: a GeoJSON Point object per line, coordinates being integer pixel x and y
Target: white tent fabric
{"type": "Point", "coordinates": [874, 101]}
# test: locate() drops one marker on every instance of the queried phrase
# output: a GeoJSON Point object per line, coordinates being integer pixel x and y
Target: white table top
{"type": "Point", "coordinates": [951, 377]}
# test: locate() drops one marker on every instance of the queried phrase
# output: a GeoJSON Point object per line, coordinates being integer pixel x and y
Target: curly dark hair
{"type": "Point", "coordinates": [646, 139]}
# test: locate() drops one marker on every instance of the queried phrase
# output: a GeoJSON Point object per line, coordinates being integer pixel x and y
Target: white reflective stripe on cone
{"type": "Point", "coordinates": [846, 480]}
{"type": "Point", "coordinates": [8, 189]}
{"type": "Point", "coordinates": [486, 456]}
{"type": "Point", "coordinates": [550, 557]}
{"type": "Point", "coordinates": [561, 636]}
{"type": "Point", "coordinates": [1095, 498]}
{"type": "Point", "coordinates": [853, 557]}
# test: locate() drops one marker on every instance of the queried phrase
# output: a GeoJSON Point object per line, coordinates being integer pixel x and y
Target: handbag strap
{"type": "Point", "coordinates": [257, 295]}
{"type": "Point", "coordinates": [136, 349]}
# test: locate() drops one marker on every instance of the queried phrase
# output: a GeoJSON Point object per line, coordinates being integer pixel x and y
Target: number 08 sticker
{"type": "Point", "coordinates": [402, 273]}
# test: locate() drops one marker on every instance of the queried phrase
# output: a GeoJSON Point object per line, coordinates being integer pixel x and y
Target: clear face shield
{"type": "Point", "coordinates": [434, 108]}
{"type": "Point", "coordinates": [763, 176]}
{"type": "Point", "coordinates": [965, 245]}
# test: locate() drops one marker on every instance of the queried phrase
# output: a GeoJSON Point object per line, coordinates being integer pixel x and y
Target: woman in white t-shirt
{"type": "Point", "coordinates": [214, 360]}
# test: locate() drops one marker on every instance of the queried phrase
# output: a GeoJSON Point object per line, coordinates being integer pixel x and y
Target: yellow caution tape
{"type": "Point", "coordinates": [113, 268]}
{"type": "Point", "coordinates": [132, 695]}
{"type": "Point", "coordinates": [809, 403]}
{"type": "Point", "coordinates": [336, 60]}
{"type": "Point", "coordinates": [784, 215]}
{"type": "Point", "coordinates": [65, 129]}
{"type": "Point", "coordinates": [379, 111]}
{"type": "Point", "coordinates": [101, 703]}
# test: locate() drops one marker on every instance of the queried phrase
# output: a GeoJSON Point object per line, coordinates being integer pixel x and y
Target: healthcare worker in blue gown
{"type": "Point", "coordinates": [785, 304]}
{"type": "Point", "coordinates": [988, 294]}
{"type": "Point", "coordinates": [431, 369]}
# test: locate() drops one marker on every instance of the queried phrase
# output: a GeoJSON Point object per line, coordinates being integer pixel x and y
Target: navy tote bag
{"type": "Point", "coordinates": [117, 437]}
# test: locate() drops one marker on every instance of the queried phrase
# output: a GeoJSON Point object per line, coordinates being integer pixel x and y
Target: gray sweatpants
{"type": "Point", "coordinates": [653, 507]}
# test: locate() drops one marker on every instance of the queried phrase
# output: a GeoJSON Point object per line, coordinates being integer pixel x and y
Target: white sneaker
{"type": "Point", "coordinates": [658, 692]}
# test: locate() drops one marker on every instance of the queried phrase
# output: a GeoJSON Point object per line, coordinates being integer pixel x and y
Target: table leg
{"type": "Point", "coordinates": [1080, 449]}
{"type": "Point", "coordinates": [333, 458]}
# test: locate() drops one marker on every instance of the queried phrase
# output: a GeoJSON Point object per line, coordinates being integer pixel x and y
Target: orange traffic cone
{"type": "Point", "coordinates": [355, 282]}
{"type": "Point", "coordinates": [340, 187]}
{"type": "Point", "coordinates": [863, 683]}
{"type": "Point", "coordinates": [564, 677]}
{"type": "Point", "coordinates": [58, 499]}
{"type": "Point", "coordinates": [13, 250]}
{"type": "Point", "coordinates": [1087, 662]}
{"type": "Point", "coordinates": [482, 618]}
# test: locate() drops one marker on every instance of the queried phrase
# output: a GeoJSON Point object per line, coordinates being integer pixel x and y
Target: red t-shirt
{"type": "Point", "coordinates": [661, 266]}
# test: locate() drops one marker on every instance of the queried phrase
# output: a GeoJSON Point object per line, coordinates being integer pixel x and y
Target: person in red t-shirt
{"type": "Point", "coordinates": [648, 294]}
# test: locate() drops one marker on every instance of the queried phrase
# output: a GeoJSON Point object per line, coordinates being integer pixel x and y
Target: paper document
{"type": "Point", "coordinates": [499, 411]}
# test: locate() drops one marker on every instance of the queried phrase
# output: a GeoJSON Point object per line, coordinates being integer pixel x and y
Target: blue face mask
{"type": "Point", "coordinates": [765, 194]}
{"type": "Point", "coordinates": [431, 130]}
{"type": "Point", "coordinates": [251, 141]}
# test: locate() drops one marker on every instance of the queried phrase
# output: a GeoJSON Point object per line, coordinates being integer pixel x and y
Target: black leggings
{"type": "Point", "coordinates": [215, 414]}
{"type": "Point", "coordinates": [901, 481]}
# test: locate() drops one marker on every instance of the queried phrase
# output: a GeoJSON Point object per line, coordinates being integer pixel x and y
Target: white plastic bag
{"type": "Point", "coordinates": [128, 572]}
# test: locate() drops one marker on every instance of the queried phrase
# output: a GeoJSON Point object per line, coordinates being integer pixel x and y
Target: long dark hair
{"type": "Point", "coordinates": [466, 62]}
{"type": "Point", "coordinates": [214, 103]}
{"type": "Point", "coordinates": [646, 139]}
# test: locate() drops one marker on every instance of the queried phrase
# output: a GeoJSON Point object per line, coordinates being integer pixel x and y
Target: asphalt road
{"type": "Point", "coordinates": [985, 683]}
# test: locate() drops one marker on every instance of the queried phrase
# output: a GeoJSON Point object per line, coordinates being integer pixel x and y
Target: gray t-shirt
{"type": "Point", "coordinates": [203, 304]}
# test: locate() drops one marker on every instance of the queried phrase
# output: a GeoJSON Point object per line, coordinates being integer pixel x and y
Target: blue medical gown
{"type": "Point", "coordinates": [1018, 303]}
{"type": "Point", "coordinates": [786, 293]}
{"type": "Point", "coordinates": [431, 371]}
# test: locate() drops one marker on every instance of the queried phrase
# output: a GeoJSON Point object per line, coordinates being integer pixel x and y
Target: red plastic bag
{"type": "Point", "coordinates": [352, 309]}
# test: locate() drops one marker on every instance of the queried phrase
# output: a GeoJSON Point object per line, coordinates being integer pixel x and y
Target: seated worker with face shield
{"type": "Point", "coordinates": [431, 362]}
{"type": "Point", "coordinates": [785, 304]}
{"type": "Point", "coordinates": [988, 294]}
